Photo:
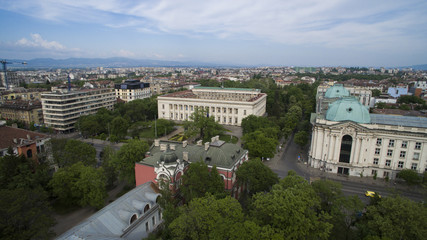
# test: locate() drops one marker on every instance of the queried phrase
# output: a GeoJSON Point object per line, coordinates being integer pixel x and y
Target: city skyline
{"type": "Point", "coordinates": [309, 33]}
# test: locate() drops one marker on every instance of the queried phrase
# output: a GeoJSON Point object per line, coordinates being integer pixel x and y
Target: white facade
{"type": "Point", "coordinates": [227, 105]}
{"type": "Point", "coordinates": [128, 95]}
{"type": "Point", "coordinates": [61, 110]}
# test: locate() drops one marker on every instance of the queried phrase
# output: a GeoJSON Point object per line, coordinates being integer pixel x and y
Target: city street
{"type": "Point", "coordinates": [287, 160]}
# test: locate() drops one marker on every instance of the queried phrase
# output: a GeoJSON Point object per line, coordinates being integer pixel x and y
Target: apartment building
{"type": "Point", "coordinates": [29, 112]}
{"type": "Point", "coordinates": [227, 105]}
{"type": "Point", "coordinates": [61, 110]}
{"type": "Point", "coordinates": [131, 90]}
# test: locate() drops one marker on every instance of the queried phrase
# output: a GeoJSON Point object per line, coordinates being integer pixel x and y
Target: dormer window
{"type": "Point", "coordinates": [349, 109]}
{"type": "Point", "coordinates": [133, 218]}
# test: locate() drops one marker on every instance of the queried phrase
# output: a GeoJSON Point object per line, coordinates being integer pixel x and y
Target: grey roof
{"type": "Point", "coordinates": [221, 154]}
{"type": "Point", "coordinates": [111, 221]}
{"type": "Point", "coordinates": [406, 121]}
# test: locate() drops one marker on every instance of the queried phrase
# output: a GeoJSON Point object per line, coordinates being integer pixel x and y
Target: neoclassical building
{"type": "Point", "coordinates": [348, 140]}
{"type": "Point", "coordinates": [327, 94]}
{"type": "Point", "coordinates": [227, 105]}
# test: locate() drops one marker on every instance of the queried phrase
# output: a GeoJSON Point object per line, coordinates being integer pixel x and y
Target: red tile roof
{"type": "Point", "coordinates": [8, 134]}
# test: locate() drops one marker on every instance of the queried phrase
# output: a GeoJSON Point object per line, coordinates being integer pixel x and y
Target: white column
{"type": "Point", "coordinates": [337, 149]}
{"type": "Point", "coordinates": [314, 143]}
{"type": "Point", "coordinates": [354, 147]}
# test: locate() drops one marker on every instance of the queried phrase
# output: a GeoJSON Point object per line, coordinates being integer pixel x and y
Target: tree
{"type": "Point", "coordinates": [119, 127]}
{"type": "Point", "coordinates": [410, 99]}
{"type": "Point", "coordinates": [89, 125]}
{"type": "Point", "coordinates": [208, 218]}
{"type": "Point", "coordinates": [259, 145]}
{"type": "Point", "coordinates": [376, 93]}
{"type": "Point", "coordinates": [252, 123]}
{"type": "Point", "coordinates": [107, 156]}
{"type": "Point", "coordinates": [410, 176]}
{"type": "Point", "coordinates": [256, 176]}
{"type": "Point", "coordinates": [124, 160]}
{"type": "Point", "coordinates": [79, 184]}
{"type": "Point", "coordinates": [203, 125]}
{"type": "Point", "coordinates": [198, 180]}
{"type": "Point", "coordinates": [394, 218]}
{"type": "Point", "coordinates": [78, 151]}
{"type": "Point", "coordinates": [290, 210]}
{"type": "Point", "coordinates": [25, 214]}
{"type": "Point", "coordinates": [301, 138]}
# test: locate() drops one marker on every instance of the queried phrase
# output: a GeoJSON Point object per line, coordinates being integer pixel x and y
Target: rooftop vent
{"type": "Point", "coordinates": [199, 143]}
{"type": "Point", "coordinates": [184, 143]}
{"type": "Point", "coordinates": [207, 146]}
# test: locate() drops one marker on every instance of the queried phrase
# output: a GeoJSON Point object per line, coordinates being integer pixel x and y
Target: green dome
{"type": "Point", "coordinates": [348, 109]}
{"type": "Point", "coordinates": [337, 91]}
{"type": "Point", "coordinates": [168, 156]}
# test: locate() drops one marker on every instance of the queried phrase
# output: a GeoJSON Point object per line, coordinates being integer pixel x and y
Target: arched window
{"type": "Point", "coordinates": [133, 218]}
{"type": "Point", "coordinates": [345, 152]}
{"type": "Point", "coordinates": [29, 153]}
{"type": "Point", "coordinates": [146, 208]}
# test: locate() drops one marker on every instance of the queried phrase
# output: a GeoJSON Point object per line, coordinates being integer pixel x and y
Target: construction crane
{"type": "Point", "coordinates": [4, 63]}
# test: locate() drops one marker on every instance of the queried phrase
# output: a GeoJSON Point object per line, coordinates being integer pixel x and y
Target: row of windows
{"type": "Point", "coordinates": [212, 109]}
{"type": "Point", "coordinates": [416, 155]}
{"type": "Point", "coordinates": [399, 164]}
{"type": "Point", "coordinates": [404, 143]}
{"type": "Point", "coordinates": [218, 118]}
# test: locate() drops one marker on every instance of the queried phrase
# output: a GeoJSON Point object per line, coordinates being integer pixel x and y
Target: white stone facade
{"type": "Point", "coordinates": [227, 105]}
{"type": "Point", "coordinates": [61, 110]}
{"type": "Point", "coordinates": [381, 150]}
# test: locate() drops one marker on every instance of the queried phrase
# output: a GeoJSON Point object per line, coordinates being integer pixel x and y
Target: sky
{"type": "Point", "coordinates": [379, 33]}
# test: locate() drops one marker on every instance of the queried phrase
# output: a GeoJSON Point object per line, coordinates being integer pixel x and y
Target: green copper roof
{"type": "Point", "coordinates": [337, 91]}
{"type": "Point", "coordinates": [348, 109]}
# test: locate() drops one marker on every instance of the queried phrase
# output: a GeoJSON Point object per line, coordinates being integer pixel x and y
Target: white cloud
{"type": "Point", "coordinates": [331, 23]}
{"type": "Point", "coordinates": [38, 42]}
{"type": "Point", "coordinates": [124, 53]}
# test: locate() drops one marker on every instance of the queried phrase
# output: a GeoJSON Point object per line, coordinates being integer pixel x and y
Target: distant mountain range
{"type": "Point", "coordinates": [38, 63]}
{"type": "Point", "coordinates": [105, 62]}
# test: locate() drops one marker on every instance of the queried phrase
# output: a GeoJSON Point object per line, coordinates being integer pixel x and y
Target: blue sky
{"type": "Point", "coordinates": [256, 32]}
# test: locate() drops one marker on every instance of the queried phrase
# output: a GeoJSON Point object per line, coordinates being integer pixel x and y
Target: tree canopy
{"type": "Point", "coordinates": [124, 160]}
{"type": "Point", "coordinates": [203, 125]}
{"type": "Point", "coordinates": [259, 145]}
{"type": "Point", "coordinates": [256, 176]}
{"type": "Point", "coordinates": [199, 180]}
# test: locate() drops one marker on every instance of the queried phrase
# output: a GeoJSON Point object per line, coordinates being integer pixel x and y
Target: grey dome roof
{"type": "Point", "coordinates": [348, 109]}
{"type": "Point", "coordinates": [337, 91]}
{"type": "Point", "coordinates": [168, 156]}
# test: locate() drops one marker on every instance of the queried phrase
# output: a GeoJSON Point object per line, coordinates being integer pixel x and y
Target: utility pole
{"type": "Point", "coordinates": [4, 63]}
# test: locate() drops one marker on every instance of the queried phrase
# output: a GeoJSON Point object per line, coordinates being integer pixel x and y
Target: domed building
{"type": "Point", "coordinates": [347, 139]}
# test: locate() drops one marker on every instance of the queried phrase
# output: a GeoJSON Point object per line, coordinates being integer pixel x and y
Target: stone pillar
{"type": "Point", "coordinates": [354, 146]}
{"type": "Point", "coordinates": [337, 148]}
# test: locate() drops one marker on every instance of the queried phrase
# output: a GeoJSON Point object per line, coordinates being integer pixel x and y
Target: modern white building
{"type": "Point", "coordinates": [61, 110]}
{"type": "Point", "coordinates": [131, 90]}
{"type": "Point", "coordinates": [133, 216]}
{"type": "Point", "coordinates": [227, 105]}
{"type": "Point", "coordinates": [348, 140]}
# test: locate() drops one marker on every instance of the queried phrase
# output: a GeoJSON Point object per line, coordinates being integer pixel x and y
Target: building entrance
{"type": "Point", "coordinates": [346, 149]}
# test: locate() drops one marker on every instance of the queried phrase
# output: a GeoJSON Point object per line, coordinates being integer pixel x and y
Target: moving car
{"type": "Point", "coordinates": [372, 194]}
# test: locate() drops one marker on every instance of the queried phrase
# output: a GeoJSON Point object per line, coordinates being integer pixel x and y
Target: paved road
{"type": "Point", "coordinates": [288, 160]}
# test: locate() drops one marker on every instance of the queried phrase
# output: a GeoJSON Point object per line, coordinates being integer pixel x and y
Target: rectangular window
{"type": "Point", "coordinates": [379, 141]}
{"type": "Point", "coordinates": [236, 110]}
{"type": "Point", "coordinates": [163, 106]}
{"type": "Point", "coordinates": [186, 107]}
{"type": "Point", "coordinates": [224, 110]}
{"type": "Point", "coordinates": [218, 109]}
{"type": "Point", "coordinates": [219, 119]}
{"type": "Point", "coordinates": [400, 164]}
{"type": "Point", "coordinates": [386, 174]}
{"type": "Point", "coordinates": [387, 163]}
{"type": "Point", "coordinates": [180, 107]}
{"type": "Point", "coordinates": [414, 166]}
{"type": "Point", "coordinates": [402, 154]}
{"type": "Point", "coordinates": [225, 120]}
{"type": "Point", "coordinates": [147, 227]}
{"type": "Point", "coordinates": [404, 144]}
{"type": "Point", "coordinates": [377, 151]}
{"type": "Point", "coordinates": [374, 172]}
{"type": "Point", "coordinates": [235, 120]}
{"type": "Point", "coordinates": [191, 107]}
{"type": "Point", "coordinates": [417, 145]}
{"type": "Point", "coordinates": [389, 152]}
{"type": "Point", "coordinates": [176, 107]}
{"type": "Point", "coordinates": [230, 110]}
{"type": "Point", "coordinates": [375, 161]}
{"type": "Point", "coordinates": [153, 220]}
{"type": "Point", "coordinates": [391, 143]}
{"type": "Point", "coordinates": [181, 115]}
{"type": "Point", "coordinates": [213, 109]}
{"type": "Point", "coordinates": [171, 115]}
{"type": "Point", "coordinates": [416, 156]}
{"type": "Point", "coordinates": [229, 120]}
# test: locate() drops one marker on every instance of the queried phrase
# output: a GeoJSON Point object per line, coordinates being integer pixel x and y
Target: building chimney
{"type": "Point", "coordinates": [184, 143]}
{"type": "Point", "coordinates": [157, 142]}
{"type": "Point", "coordinates": [163, 147]}
{"type": "Point", "coordinates": [172, 147]}
{"type": "Point", "coordinates": [185, 156]}
{"type": "Point", "coordinates": [213, 139]}
{"type": "Point", "coordinates": [217, 137]}
{"type": "Point", "coordinates": [207, 145]}
{"type": "Point", "coordinates": [28, 137]}
{"type": "Point", "coordinates": [15, 140]}
{"type": "Point", "coordinates": [199, 143]}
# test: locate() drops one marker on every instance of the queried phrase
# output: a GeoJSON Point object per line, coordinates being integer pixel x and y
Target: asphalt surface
{"type": "Point", "coordinates": [286, 159]}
